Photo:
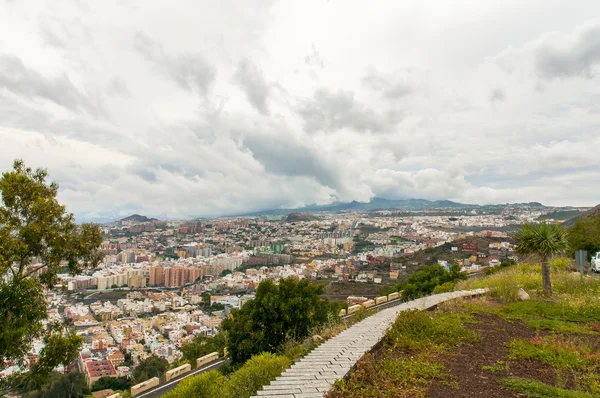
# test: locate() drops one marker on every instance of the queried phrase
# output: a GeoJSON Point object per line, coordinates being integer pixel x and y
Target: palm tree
{"type": "Point", "coordinates": [542, 240]}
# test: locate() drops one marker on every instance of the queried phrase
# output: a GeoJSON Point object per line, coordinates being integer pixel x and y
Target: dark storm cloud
{"type": "Point", "coordinates": [252, 82]}
{"type": "Point", "coordinates": [281, 155]}
{"type": "Point", "coordinates": [17, 78]}
{"type": "Point", "coordinates": [332, 111]}
{"type": "Point", "coordinates": [578, 58]}
{"type": "Point", "coordinates": [190, 71]}
{"type": "Point", "coordinates": [389, 86]}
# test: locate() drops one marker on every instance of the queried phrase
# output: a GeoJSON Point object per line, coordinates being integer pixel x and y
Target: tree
{"type": "Point", "coordinates": [288, 310]}
{"type": "Point", "coordinates": [424, 282]}
{"type": "Point", "coordinates": [150, 367]}
{"type": "Point", "coordinates": [201, 346]}
{"type": "Point", "coordinates": [585, 234]}
{"type": "Point", "coordinates": [34, 225]}
{"type": "Point", "coordinates": [111, 383]}
{"type": "Point", "coordinates": [542, 240]}
{"type": "Point", "coordinates": [71, 385]}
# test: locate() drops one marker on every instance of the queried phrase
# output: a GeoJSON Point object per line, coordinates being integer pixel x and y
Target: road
{"type": "Point", "coordinates": [171, 384]}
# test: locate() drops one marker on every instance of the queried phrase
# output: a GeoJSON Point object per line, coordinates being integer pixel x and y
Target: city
{"type": "Point", "coordinates": [299, 199]}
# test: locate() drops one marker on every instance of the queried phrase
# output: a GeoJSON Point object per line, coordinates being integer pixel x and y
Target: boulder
{"type": "Point", "coordinates": [523, 295]}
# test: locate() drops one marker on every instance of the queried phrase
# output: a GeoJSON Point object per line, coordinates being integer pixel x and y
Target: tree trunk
{"type": "Point", "coordinates": [546, 276]}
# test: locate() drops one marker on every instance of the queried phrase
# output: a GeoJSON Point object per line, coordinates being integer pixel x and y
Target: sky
{"type": "Point", "coordinates": [207, 108]}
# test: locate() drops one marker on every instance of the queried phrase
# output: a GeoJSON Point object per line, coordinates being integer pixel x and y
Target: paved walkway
{"type": "Point", "coordinates": [313, 375]}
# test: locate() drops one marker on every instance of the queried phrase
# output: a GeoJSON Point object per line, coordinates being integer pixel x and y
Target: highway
{"type": "Point", "coordinates": [171, 384]}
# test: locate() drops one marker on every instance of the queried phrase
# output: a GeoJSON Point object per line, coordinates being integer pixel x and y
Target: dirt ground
{"type": "Point", "coordinates": [466, 376]}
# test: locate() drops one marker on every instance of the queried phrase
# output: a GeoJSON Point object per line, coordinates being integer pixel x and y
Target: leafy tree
{"type": "Point", "coordinates": [34, 225]}
{"type": "Point", "coordinates": [288, 310]}
{"type": "Point", "coordinates": [585, 234]}
{"type": "Point", "coordinates": [150, 367]}
{"type": "Point", "coordinates": [71, 385]}
{"type": "Point", "coordinates": [542, 240]}
{"type": "Point", "coordinates": [201, 346]}
{"type": "Point", "coordinates": [111, 383]}
{"type": "Point", "coordinates": [60, 348]}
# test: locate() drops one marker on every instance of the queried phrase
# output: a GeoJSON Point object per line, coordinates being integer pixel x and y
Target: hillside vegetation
{"type": "Point", "coordinates": [493, 346]}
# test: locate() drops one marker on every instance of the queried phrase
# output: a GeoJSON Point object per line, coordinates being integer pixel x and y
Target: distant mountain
{"type": "Point", "coordinates": [373, 204]}
{"type": "Point", "coordinates": [589, 213]}
{"type": "Point", "coordinates": [389, 204]}
{"type": "Point", "coordinates": [138, 218]}
{"type": "Point", "coordinates": [293, 217]}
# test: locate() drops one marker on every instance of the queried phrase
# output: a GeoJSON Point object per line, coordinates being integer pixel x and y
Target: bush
{"type": "Point", "coordinates": [206, 385]}
{"type": "Point", "coordinates": [256, 372]}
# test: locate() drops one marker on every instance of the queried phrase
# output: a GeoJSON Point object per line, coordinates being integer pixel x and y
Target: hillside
{"type": "Point", "coordinates": [296, 217]}
{"type": "Point", "coordinates": [494, 346]}
{"type": "Point", "coordinates": [138, 218]}
{"type": "Point", "coordinates": [593, 211]}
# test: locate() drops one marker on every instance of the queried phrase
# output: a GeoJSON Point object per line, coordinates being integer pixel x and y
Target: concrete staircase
{"type": "Point", "coordinates": [314, 374]}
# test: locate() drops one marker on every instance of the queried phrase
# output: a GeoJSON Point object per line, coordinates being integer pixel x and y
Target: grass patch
{"type": "Point", "coordinates": [497, 367]}
{"type": "Point", "coordinates": [535, 389]}
{"type": "Point", "coordinates": [506, 283]}
{"type": "Point", "coordinates": [558, 326]}
{"type": "Point", "coordinates": [572, 310]}
{"type": "Point", "coordinates": [557, 352]}
{"type": "Point", "coordinates": [407, 361]}
{"type": "Point", "coordinates": [414, 331]}
{"type": "Point", "coordinates": [392, 377]}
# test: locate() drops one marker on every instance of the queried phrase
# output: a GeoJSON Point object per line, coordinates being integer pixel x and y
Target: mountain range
{"type": "Point", "coordinates": [383, 204]}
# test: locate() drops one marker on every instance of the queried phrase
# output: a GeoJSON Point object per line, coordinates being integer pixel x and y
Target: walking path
{"type": "Point", "coordinates": [313, 375]}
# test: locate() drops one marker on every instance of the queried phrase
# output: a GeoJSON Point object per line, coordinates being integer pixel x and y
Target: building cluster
{"type": "Point", "coordinates": [149, 294]}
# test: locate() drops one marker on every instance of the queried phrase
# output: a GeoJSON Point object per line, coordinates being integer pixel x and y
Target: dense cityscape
{"type": "Point", "coordinates": [162, 283]}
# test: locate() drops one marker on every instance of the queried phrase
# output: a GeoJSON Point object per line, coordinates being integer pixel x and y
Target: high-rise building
{"type": "Point", "coordinates": [174, 276]}
{"type": "Point", "coordinates": [157, 276]}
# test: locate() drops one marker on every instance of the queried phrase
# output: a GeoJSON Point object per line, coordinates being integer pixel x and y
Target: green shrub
{"type": "Point", "coordinates": [255, 373]}
{"type": "Point", "coordinates": [206, 385]}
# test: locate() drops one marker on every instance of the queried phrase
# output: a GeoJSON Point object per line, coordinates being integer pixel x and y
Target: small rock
{"type": "Point", "coordinates": [523, 295]}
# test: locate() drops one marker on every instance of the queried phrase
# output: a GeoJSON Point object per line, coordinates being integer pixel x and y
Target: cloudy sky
{"type": "Point", "coordinates": [205, 108]}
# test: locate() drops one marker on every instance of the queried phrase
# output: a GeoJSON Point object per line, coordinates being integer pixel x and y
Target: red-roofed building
{"type": "Point", "coordinates": [97, 368]}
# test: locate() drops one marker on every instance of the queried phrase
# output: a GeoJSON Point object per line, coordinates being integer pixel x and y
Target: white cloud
{"type": "Point", "coordinates": [222, 108]}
